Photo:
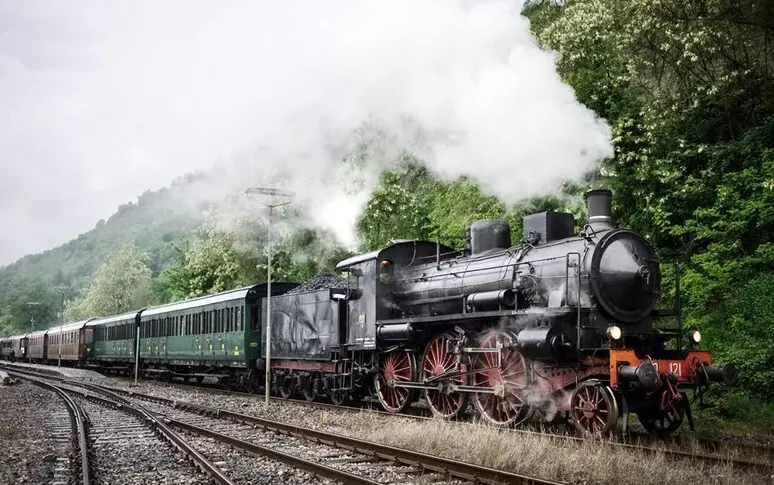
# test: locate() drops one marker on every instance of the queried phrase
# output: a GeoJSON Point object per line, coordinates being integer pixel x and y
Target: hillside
{"type": "Point", "coordinates": [155, 223]}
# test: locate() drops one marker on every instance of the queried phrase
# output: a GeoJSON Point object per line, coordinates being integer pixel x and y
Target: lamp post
{"type": "Point", "coordinates": [32, 325]}
{"type": "Point", "coordinates": [61, 290]}
{"type": "Point", "coordinates": [271, 192]}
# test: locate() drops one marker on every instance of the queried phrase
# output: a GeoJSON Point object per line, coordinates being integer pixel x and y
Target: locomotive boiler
{"type": "Point", "coordinates": [560, 322]}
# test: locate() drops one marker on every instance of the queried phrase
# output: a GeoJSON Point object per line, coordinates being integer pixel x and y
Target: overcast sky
{"type": "Point", "coordinates": [75, 141]}
{"type": "Point", "coordinates": [100, 100]}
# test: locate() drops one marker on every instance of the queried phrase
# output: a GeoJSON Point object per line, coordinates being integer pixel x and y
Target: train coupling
{"type": "Point", "coordinates": [645, 374]}
{"type": "Point", "coordinates": [708, 373]}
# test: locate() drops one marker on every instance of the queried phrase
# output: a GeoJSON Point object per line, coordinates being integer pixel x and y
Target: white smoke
{"type": "Point", "coordinates": [267, 87]}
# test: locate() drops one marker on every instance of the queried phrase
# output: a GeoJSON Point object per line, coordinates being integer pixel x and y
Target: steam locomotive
{"type": "Point", "coordinates": [560, 323]}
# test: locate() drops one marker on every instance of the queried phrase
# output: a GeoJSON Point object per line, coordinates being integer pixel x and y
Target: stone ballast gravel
{"type": "Point", "coordinates": [28, 451]}
{"type": "Point", "coordinates": [477, 444]}
{"type": "Point", "coordinates": [352, 462]}
{"type": "Point", "coordinates": [322, 419]}
{"type": "Point", "coordinates": [125, 451]}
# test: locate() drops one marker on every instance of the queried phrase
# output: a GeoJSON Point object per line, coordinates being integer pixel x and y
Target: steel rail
{"type": "Point", "coordinates": [80, 425]}
{"type": "Point", "coordinates": [453, 468]}
{"type": "Point", "coordinates": [146, 416]}
{"type": "Point", "coordinates": [78, 419]}
{"type": "Point", "coordinates": [296, 462]}
{"type": "Point", "coordinates": [716, 445]}
{"type": "Point", "coordinates": [672, 453]}
{"type": "Point", "coordinates": [762, 467]}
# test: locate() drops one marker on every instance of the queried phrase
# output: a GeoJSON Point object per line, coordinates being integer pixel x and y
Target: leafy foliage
{"type": "Point", "coordinates": [28, 302]}
{"type": "Point", "coordinates": [121, 284]}
{"type": "Point", "coordinates": [687, 88]}
{"type": "Point", "coordinates": [156, 224]}
{"type": "Point", "coordinates": [218, 260]}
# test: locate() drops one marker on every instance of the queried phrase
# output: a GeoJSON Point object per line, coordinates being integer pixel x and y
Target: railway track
{"type": "Point", "coordinates": [765, 467]}
{"type": "Point", "coordinates": [327, 455]}
{"type": "Point", "coordinates": [342, 458]}
{"type": "Point", "coordinates": [128, 448]}
{"type": "Point", "coordinates": [705, 450]}
{"type": "Point", "coordinates": [71, 417]}
{"type": "Point", "coordinates": [710, 459]}
{"type": "Point", "coordinates": [643, 442]}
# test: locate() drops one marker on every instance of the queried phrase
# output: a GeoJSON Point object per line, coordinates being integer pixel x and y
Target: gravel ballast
{"type": "Point", "coordinates": [34, 436]}
{"type": "Point", "coordinates": [588, 462]}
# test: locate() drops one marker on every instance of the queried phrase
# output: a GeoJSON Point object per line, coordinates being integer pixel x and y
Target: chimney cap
{"type": "Point", "coordinates": [593, 192]}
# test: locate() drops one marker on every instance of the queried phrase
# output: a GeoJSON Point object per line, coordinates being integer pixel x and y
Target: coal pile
{"type": "Point", "coordinates": [319, 282]}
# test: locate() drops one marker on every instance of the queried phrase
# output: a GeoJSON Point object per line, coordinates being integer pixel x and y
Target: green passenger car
{"type": "Point", "coordinates": [114, 342]}
{"type": "Point", "coordinates": [215, 335]}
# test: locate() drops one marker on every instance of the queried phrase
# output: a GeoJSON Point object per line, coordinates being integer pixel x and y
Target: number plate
{"type": "Point", "coordinates": [675, 367]}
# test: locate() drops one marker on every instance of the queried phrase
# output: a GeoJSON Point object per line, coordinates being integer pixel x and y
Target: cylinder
{"type": "Point", "coordinates": [544, 343]}
{"type": "Point", "coordinates": [400, 332]}
{"type": "Point", "coordinates": [599, 206]}
{"type": "Point", "coordinates": [492, 299]}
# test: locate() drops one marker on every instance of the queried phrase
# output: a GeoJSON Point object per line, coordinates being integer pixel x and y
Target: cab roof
{"type": "Point", "coordinates": [403, 252]}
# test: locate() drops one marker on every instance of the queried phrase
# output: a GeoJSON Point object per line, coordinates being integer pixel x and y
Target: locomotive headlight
{"type": "Point", "coordinates": [695, 336]}
{"type": "Point", "coordinates": [613, 332]}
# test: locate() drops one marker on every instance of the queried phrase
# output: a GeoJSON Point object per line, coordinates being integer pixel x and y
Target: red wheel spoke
{"type": "Point", "coordinates": [593, 410]}
{"type": "Point", "coordinates": [395, 367]}
{"type": "Point", "coordinates": [437, 361]}
{"type": "Point", "coordinates": [503, 367]}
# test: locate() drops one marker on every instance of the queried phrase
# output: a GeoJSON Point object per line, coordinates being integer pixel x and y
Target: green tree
{"type": "Point", "coordinates": [121, 284]}
{"type": "Point", "coordinates": [18, 313]}
{"type": "Point", "coordinates": [688, 89]}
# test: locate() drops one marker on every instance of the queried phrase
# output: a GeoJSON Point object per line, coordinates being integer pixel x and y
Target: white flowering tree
{"type": "Point", "coordinates": [688, 88]}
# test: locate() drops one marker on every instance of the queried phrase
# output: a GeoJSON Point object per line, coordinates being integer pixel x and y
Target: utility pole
{"type": "Point", "coordinates": [266, 191]}
{"type": "Point", "coordinates": [32, 326]}
{"type": "Point", "coordinates": [61, 290]}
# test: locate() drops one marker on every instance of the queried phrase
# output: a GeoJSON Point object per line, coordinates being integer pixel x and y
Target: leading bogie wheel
{"type": "Point", "coordinates": [437, 360]}
{"type": "Point", "coordinates": [661, 423]}
{"type": "Point", "coordinates": [395, 367]}
{"type": "Point", "coordinates": [506, 372]}
{"type": "Point", "coordinates": [594, 409]}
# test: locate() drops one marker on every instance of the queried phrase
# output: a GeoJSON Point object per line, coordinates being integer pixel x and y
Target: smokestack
{"type": "Point", "coordinates": [598, 203]}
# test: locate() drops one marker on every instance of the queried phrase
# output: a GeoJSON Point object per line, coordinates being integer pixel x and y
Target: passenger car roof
{"type": "Point", "coordinates": [68, 327]}
{"type": "Point", "coordinates": [238, 294]}
{"type": "Point", "coordinates": [112, 319]}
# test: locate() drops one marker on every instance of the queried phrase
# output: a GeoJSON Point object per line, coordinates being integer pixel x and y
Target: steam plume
{"type": "Point", "coordinates": [164, 88]}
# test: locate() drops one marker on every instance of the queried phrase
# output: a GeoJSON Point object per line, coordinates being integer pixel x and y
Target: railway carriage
{"type": "Point", "coordinates": [38, 345]}
{"type": "Point", "coordinates": [19, 347]}
{"type": "Point", "coordinates": [74, 340]}
{"type": "Point", "coordinates": [6, 348]}
{"type": "Point", "coordinates": [114, 342]}
{"type": "Point", "coordinates": [215, 335]}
